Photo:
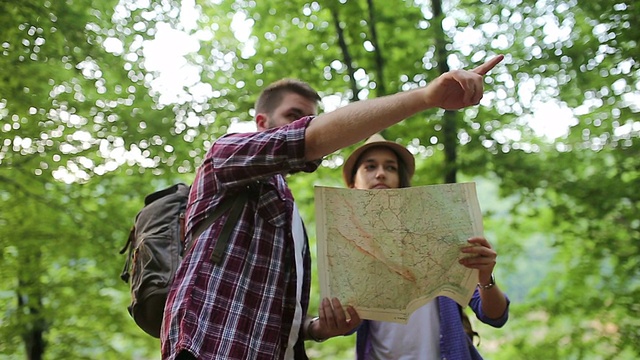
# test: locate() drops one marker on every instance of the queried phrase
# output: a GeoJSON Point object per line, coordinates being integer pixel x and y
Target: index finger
{"type": "Point", "coordinates": [479, 240]}
{"type": "Point", "coordinates": [488, 65]}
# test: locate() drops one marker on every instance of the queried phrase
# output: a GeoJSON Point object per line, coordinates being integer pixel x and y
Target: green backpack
{"type": "Point", "coordinates": [156, 246]}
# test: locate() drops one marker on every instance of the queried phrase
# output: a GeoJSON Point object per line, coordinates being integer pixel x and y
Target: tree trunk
{"type": "Point", "coordinates": [30, 308]}
{"type": "Point", "coordinates": [380, 82]}
{"type": "Point", "coordinates": [449, 125]}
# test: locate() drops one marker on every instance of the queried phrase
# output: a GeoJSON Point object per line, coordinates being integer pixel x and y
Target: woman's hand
{"type": "Point", "coordinates": [484, 259]}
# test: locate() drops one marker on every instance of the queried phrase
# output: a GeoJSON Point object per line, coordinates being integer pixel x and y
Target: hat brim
{"type": "Point", "coordinates": [400, 151]}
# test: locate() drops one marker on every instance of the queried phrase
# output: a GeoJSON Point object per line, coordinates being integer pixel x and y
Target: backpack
{"type": "Point", "coordinates": [156, 244]}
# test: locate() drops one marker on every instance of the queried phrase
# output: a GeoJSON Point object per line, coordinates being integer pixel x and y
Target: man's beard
{"type": "Point", "coordinates": [270, 123]}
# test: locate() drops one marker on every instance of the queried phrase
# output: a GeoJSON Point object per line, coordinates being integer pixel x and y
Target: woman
{"type": "Point", "coordinates": [434, 331]}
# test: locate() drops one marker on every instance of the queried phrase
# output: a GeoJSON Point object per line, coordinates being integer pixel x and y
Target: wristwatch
{"type": "Point", "coordinates": [489, 285]}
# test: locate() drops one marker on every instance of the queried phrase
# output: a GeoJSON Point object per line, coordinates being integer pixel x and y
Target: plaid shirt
{"type": "Point", "coordinates": [454, 342]}
{"type": "Point", "coordinates": [244, 307]}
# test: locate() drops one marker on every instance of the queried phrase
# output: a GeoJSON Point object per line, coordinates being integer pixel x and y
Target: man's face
{"type": "Point", "coordinates": [292, 108]}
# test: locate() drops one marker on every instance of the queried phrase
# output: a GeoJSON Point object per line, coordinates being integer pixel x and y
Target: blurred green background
{"type": "Point", "coordinates": [104, 102]}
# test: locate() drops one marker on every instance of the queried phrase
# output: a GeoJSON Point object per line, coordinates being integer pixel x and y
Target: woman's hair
{"type": "Point", "coordinates": [403, 171]}
{"type": "Point", "coordinates": [468, 329]}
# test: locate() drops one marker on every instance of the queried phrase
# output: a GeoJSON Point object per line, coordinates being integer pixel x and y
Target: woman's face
{"type": "Point", "coordinates": [378, 168]}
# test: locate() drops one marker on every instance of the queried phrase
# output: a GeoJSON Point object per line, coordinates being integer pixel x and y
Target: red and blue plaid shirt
{"type": "Point", "coordinates": [244, 307]}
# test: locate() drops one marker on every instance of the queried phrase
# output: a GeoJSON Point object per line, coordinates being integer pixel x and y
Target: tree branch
{"type": "Point", "coordinates": [345, 52]}
{"type": "Point", "coordinates": [38, 198]}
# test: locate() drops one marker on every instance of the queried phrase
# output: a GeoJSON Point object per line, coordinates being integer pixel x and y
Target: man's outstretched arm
{"type": "Point", "coordinates": [357, 121]}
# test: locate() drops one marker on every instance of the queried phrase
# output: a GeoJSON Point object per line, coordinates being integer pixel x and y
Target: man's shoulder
{"type": "Point", "coordinates": [230, 141]}
{"type": "Point", "coordinates": [234, 137]}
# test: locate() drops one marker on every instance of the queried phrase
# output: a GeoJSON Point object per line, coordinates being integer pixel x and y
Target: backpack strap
{"type": "Point", "coordinates": [223, 239]}
{"type": "Point", "coordinates": [227, 228]}
{"type": "Point", "coordinates": [130, 241]}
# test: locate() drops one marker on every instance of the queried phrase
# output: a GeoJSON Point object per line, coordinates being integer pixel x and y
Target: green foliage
{"type": "Point", "coordinates": [84, 135]}
{"type": "Point", "coordinates": [65, 101]}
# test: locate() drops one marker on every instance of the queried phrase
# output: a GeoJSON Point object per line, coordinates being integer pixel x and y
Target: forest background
{"type": "Point", "coordinates": [97, 110]}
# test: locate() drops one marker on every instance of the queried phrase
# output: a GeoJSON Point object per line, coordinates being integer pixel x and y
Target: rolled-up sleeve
{"type": "Point", "coordinates": [476, 305]}
{"type": "Point", "coordinates": [237, 159]}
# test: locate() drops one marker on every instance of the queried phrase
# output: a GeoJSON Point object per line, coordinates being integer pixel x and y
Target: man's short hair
{"type": "Point", "coordinates": [272, 95]}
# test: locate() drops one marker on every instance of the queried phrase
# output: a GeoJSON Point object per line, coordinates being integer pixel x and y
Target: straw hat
{"type": "Point", "coordinates": [374, 141]}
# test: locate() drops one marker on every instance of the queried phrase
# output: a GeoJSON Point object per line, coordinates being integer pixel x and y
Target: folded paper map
{"type": "Point", "coordinates": [388, 252]}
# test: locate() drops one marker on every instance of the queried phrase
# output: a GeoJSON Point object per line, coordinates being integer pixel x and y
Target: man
{"type": "Point", "coordinates": [252, 304]}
